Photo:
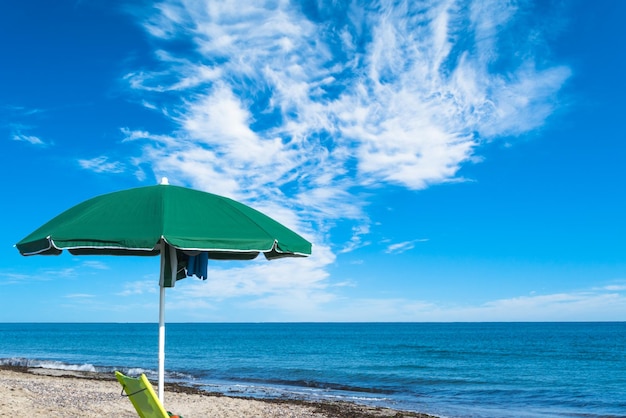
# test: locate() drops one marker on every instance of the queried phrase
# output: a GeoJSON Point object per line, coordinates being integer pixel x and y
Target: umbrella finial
{"type": "Point", "coordinates": [164, 180]}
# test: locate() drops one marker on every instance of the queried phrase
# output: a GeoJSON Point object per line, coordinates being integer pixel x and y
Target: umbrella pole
{"type": "Point", "coordinates": [161, 386]}
{"type": "Point", "coordinates": [161, 342]}
{"type": "Point", "coordinates": [164, 247]}
{"type": "Point", "coordinates": [168, 259]}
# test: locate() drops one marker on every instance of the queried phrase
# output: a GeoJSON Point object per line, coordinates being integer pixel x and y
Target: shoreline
{"type": "Point", "coordinates": [37, 392]}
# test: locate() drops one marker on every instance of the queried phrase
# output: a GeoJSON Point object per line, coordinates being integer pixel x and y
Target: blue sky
{"type": "Point", "coordinates": [449, 160]}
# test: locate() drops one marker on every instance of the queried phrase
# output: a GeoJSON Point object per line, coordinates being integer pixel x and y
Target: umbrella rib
{"type": "Point", "coordinates": [230, 250]}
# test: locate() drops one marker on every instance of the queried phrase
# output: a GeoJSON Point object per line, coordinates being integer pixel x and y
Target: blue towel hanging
{"type": "Point", "coordinates": [197, 265]}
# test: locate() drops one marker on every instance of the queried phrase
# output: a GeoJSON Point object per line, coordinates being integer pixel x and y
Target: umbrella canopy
{"type": "Point", "coordinates": [133, 222]}
{"type": "Point", "coordinates": [170, 221]}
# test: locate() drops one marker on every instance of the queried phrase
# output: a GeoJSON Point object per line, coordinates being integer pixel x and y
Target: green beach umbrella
{"type": "Point", "coordinates": [177, 223]}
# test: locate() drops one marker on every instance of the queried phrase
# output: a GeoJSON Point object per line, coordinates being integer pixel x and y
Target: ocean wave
{"type": "Point", "coordinates": [31, 363]}
{"type": "Point", "coordinates": [47, 364]}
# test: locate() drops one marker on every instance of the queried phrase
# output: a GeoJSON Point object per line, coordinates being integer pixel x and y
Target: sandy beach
{"type": "Point", "coordinates": [33, 393]}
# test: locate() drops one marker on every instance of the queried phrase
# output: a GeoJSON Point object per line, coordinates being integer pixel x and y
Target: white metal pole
{"type": "Point", "coordinates": [162, 343]}
{"type": "Point", "coordinates": [173, 261]}
{"type": "Point", "coordinates": [162, 325]}
{"type": "Point", "coordinates": [164, 247]}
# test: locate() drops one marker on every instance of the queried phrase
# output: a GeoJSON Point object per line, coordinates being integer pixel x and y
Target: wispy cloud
{"type": "Point", "coordinates": [299, 111]}
{"type": "Point", "coordinates": [53, 274]}
{"type": "Point", "coordinates": [617, 286]}
{"type": "Point", "coordinates": [288, 286]}
{"type": "Point", "coordinates": [261, 278]}
{"type": "Point", "coordinates": [102, 165]}
{"type": "Point", "coordinates": [93, 264]}
{"type": "Point", "coordinates": [41, 275]}
{"type": "Point", "coordinates": [356, 241]}
{"type": "Point", "coordinates": [80, 296]}
{"type": "Point", "coordinates": [9, 278]}
{"type": "Point", "coordinates": [314, 301]}
{"type": "Point", "coordinates": [585, 305]}
{"type": "Point", "coordinates": [31, 139]}
{"type": "Point", "coordinates": [139, 288]}
{"type": "Point", "coordinates": [389, 91]}
{"type": "Point", "coordinates": [21, 121]}
{"type": "Point", "coordinates": [21, 111]}
{"type": "Point", "coordinates": [401, 247]}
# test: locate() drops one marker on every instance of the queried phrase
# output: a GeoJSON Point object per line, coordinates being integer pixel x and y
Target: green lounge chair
{"type": "Point", "coordinates": [142, 395]}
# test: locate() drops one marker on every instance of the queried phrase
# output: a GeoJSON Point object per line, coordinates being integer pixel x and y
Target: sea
{"type": "Point", "coordinates": [444, 369]}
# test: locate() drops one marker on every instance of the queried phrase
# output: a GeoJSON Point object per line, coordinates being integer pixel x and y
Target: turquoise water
{"type": "Point", "coordinates": [446, 369]}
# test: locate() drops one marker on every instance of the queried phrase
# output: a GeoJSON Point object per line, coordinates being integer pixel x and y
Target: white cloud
{"type": "Point", "coordinates": [80, 296]}
{"type": "Point", "coordinates": [97, 265]}
{"type": "Point", "coordinates": [356, 241]}
{"type": "Point", "coordinates": [577, 306]}
{"type": "Point", "coordinates": [31, 139]}
{"type": "Point", "coordinates": [617, 286]}
{"type": "Point", "coordinates": [298, 117]}
{"type": "Point", "coordinates": [262, 277]}
{"type": "Point", "coordinates": [574, 306]}
{"type": "Point", "coordinates": [292, 287]}
{"type": "Point", "coordinates": [401, 247]}
{"type": "Point", "coordinates": [139, 288]}
{"type": "Point", "coordinates": [17, 116]}
{"type": "Point", "coordinates": [102, 165]}
{"type": "Point", "coordinates": [42, 275]}
{"type": "Point", "coordinates": [408, 106]}
{"type": "Point", "coordinates": [131, 135]}
{"type": "Point", "coordinates": [194, 75]}
{"type": "Point", "coordinates": [54, 274]}
{"type": "Point", "coordinates": [9, 278]}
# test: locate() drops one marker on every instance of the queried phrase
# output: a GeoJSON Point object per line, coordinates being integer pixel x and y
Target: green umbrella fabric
{"type": "Point", "coordinates": [133, 222]}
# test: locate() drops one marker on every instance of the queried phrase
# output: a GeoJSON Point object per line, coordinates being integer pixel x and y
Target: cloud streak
{"type": "Point", "coordinates": [139, 288]}
{"type": "Point", "coordinates": [31, 139]}
{"type": "Point", "coordinates": [102, 164]}
{"type": "Point", "coordinates": [401, 247]}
